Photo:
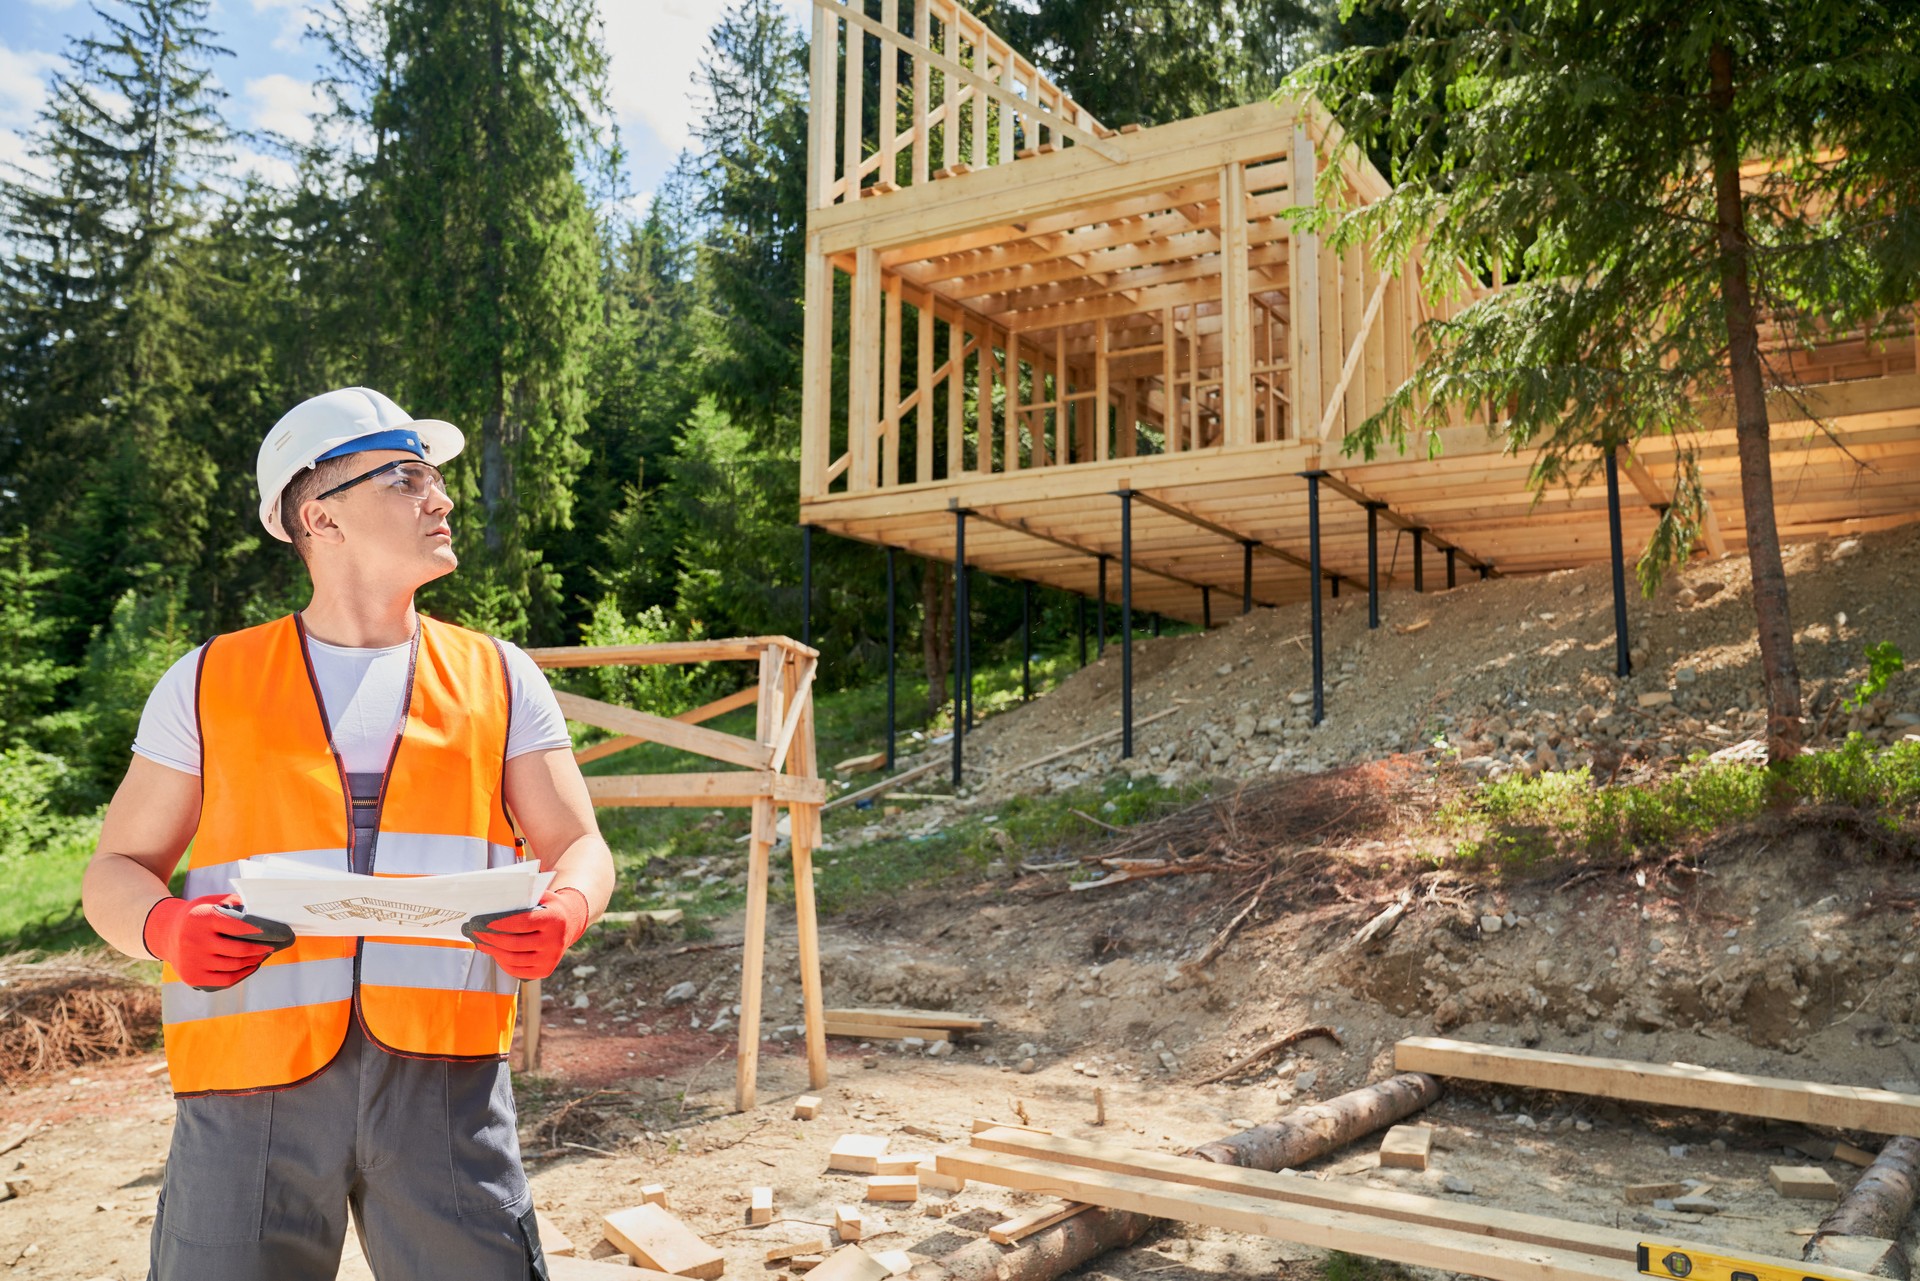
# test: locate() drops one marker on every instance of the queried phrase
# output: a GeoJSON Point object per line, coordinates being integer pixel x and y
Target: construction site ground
{"type": "Point", "coordinates": [1787, 946]}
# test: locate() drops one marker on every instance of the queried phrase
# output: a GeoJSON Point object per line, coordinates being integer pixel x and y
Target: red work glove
{"type": "Point", "coordinates": [207, 946]}
{"type": "Point", "coordinates": [528, 943]}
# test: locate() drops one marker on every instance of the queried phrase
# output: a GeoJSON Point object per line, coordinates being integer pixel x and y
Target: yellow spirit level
{"type": "Point", "coordinates": [1690, 1263]}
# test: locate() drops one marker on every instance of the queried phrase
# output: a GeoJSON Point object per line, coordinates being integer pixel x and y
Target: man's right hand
{"type": "Point", "coordinates": [207, 947]}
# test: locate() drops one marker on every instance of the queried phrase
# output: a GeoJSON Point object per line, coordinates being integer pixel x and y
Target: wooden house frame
{"type": "Point", "coordinates": [1025, 329]}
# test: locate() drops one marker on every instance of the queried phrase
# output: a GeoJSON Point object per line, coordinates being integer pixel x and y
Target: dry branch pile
{"type": "Point", "coordinates": [58, 1014]}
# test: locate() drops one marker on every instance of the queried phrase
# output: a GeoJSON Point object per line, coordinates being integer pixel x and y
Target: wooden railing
{"type": "Point", "coordinates": [967, 99]}
{"type": "Point", "coordinates": [778, 768]}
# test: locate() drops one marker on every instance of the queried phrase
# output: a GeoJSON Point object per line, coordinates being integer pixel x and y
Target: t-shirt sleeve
{"type": "Point", "coordinates": [169, 731]}
{"type": "Point", "coordinates": [537, 724]}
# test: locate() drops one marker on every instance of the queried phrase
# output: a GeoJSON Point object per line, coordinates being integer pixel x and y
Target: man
{"type": "Point", "coordinates": [323, 1073]}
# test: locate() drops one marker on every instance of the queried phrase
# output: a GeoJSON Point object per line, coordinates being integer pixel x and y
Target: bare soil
{"type": "Point", "coordinates": [1791, 947]}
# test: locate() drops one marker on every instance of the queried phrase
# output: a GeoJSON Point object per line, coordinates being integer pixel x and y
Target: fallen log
{"type": "Point", "coordinates": [1863, 1231]}
{"type": "Point", "coordinates": [1291, 1141]}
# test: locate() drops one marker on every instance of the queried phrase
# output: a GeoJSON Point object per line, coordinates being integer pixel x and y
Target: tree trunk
{"type": "Point", "coordinates": [1293, 1140]}
{"type": "Point", "coordinates": [1874, 1214]}
{"type": "Point", "coordinates": [1751, 430]}
{"type": "Point", "coordinates": [936, 630]}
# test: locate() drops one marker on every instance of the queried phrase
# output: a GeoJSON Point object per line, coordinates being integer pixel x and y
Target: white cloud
{"type": "Point", "coordinates": [655, 47]}
{"type": "Point", "coordinates": [284, 105]}
{"type": "Point", "coordinates": [55, 5]}
{"type": "Point", "coordinates": [23, 88]}
{"type": "Point", "coordinates": [277, 170]}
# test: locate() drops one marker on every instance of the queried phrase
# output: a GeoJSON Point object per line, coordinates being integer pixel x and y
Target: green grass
{"type": "Point", "coordinates": [1341, 1266]}
{"type": "Point", "coordinates": [1522, 823]}
{"type": "Point", "coordinates": [41, 908]}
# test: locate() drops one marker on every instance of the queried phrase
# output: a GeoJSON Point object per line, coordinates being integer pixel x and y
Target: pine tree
{"type": "Point", "coordinates": [98, 449]}
{"type": "Point", "coordinates": [482, 115]}
{"type": "Point", "coordinates": [1596, 153]}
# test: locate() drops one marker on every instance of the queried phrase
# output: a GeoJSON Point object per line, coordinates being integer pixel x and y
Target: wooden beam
{"type": "Point", "coordinates": [664, 731]}
{"type": "Point", "coordinates": [1236, 305]}
{"type": "Point", "coordinates": [741, 788]}
{"type": "Point", "coordinates": [713, 651]}
{"type": "Point", "coordinates": [706, 712]}
{"type": "Point", "coordinates": [1293, 1189]}
{"type": "Point", "coordinates": [1447, 1249]}
{"type": "Point", "coordinates": [1845, 1107]}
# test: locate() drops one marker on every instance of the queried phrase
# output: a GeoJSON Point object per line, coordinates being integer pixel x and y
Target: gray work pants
{"type": "Point", "coordinates": [425, 1152]}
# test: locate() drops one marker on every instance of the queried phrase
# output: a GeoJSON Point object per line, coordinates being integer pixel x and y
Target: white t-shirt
{"type": "Point", "coordinates": [364, 691]}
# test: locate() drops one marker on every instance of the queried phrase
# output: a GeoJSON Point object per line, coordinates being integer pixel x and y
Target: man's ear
{"type": "Point", "coordinates": [319, 523]}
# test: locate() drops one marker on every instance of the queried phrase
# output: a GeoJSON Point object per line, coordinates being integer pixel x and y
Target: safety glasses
{"type": "Point", "coordinates": [405, 476]}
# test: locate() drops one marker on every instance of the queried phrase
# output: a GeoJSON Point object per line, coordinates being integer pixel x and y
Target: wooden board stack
{"type": "Point", "coordinates": [898, 1025]}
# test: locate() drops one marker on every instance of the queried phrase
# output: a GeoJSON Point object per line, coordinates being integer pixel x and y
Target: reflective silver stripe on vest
{"type": "Point", "coordinates": [219, 878]}
{"type": "Point", "coordinates": [424, 854]}
{"type": "Point", "coordinates": [447, 969]}
{"type": "Point", "coordinates": [272, 987]}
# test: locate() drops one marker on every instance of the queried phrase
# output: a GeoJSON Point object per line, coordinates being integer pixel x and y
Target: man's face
{"type": "Point", "coordinates": [394, 523]}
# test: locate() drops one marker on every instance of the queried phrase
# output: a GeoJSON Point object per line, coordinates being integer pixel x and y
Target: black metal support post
{"type": "Point", "coordinates": [891, 662]}
{"type": "Point", "coordinates": [1246, 577]}
{"type": "Point", "coordinates": [1026, 641]}
{"type": "Point", "coordinates": [1083, 629]}
{"type": "Point", "coordinates": [1622, 660]}
{"type": "Point", "coordinates": [1485, 572]}
{"type": "Point", "coordinates": [1206, 609]}
{"type": "Point", "coordinates": [1451, 582]}
{"type": "Point", "coordinates": [959, 636]}
{"type": "Point", "coordinates": [1126, 624]}
{"type": "Point", "coordinates": [1153, 625]}
{"type": "Point", "coordinates": [1313, 568]}
{"type": "Point", "coordinates": [1333, 586]}
{"type": "Point", "coordinates": [1419, 566]}
{"type": "Point", "coordinates": [966, 630]}
{"type": "Point", "coordinates": [1100, 631]}
{"type": "Point", "coordinates": [806, 585]}
{"type": "Point", "coordinates": [1373, 565]}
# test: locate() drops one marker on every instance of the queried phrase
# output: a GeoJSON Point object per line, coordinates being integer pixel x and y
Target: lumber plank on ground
{"type": "Point", "coordinates": [1845, 1107]}
{"type": "Point", "coordinates": [851, 1263]}
{"type": "Point", "coordinates": [893, 1187]}
{"type": "Point", "coordinates": [554, 1243]}
{"type": "Point", "coordinates": [817, 1245]}
{"type": "Point", "coordinates": [1081, 746]}
{"type": "Point", "coordinates": [566, 1268]}
{"type": "Point", "coordinates": [1032, 1221]}
{"type": "Point", "coordinates": [911, 1018]}
{"type": "Point", "coordinates": [657, 1240]}
{"type": "Point", "coordinates": [1404, 1207]}
{"type": "Point", "coordinates": [1412, 1244]}
{"type": "Point", "coordinates": [875, 789]}
{"type": "Point", "coordinates": [884, 1031]}
{"type": "Point", "coordinates": [857, 1153]}
{"type": "Point", "coordinates": [848, 1223]}
{"type": "Point", "coordinates": [1803, 1182]}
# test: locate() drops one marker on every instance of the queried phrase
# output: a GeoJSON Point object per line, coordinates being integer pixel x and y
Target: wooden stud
{"type": "Point", "coordinates": [823, 76]}
{"type": "Point", "coordinates": [760, 1208]}
{"type": "Point", "coordinates": [856, 1154]}
{"type": "Point", "coordinates": [1237, 306]}
{"type": "Point", "coordinates": [923, 446]}
{"type": "Point", "coordinates": [883, 1031]}
{"type": "Point", "coordinates": [889, 103]}
{"type": "Point", "coordinates": [1406, 1147]}
{"type": "Point", "coordinates": [893, 1187]}
{"type": "Point", "coordinates": [1845, 1107]}
{"type": "Point", "coordinates": [862, 376]}
{"type": "Point", "coordinates": [655, 1239]}
{"type": "Point", "coordinates": [890, 309]}
{"type": "Point", "coordinates": [854, 118]}
{"type": "Point", "coordinates": [1010, 450]}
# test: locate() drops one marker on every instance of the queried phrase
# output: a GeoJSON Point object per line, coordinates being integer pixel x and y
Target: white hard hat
{"type": "Point", "coordinates": [345, 421]}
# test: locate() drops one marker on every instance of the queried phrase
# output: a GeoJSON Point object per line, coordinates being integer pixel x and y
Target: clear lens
{"type": "Point", "coordinates": [417, 480]}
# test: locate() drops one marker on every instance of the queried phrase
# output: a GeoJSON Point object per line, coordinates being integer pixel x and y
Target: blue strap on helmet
{"type": "Point", "coordinates": [395, 438]}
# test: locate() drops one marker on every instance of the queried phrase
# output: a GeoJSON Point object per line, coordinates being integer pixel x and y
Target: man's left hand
{"type": "Point", "coordinates": [528, 943]}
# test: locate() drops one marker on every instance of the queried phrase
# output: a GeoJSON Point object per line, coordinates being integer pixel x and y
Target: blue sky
{"type": "Point", "coordinates": [655, 48]}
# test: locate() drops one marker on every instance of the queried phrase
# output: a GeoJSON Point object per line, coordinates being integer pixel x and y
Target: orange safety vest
{"type": "Point", "coordinates": [271, 783]}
